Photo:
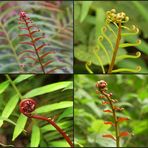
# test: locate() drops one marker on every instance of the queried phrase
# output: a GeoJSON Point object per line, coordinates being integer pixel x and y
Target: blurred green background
{"type": "Point", "coordinates": [132, 93]}
{"type": "Point", "coordinates": [89, 18]}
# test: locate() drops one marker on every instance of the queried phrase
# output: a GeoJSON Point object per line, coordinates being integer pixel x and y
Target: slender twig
{"type": "Point", "coordinates": [116, 49]}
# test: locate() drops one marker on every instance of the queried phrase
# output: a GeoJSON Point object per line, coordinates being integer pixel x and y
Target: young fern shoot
{"type": "Point", "coordinates": [27, 106]}
{"type": "Point", "coordinates": [115, 26]}
{"type": "Point", "coordinates": [102, 91]}
{"type": "Point", "coordinates": [39, 57]}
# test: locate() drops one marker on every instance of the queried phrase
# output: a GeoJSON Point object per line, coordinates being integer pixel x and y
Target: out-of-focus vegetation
{"type": "Point", "coordinates": [131, 91]}
{"type": "Point", "coordinates": [89, 18]}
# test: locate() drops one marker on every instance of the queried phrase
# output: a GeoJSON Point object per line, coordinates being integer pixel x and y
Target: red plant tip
{"type": "Point", "coordinates": [101, 84]}
{"type": "Point", "coordinates": [110, 94]}
{"type": "Point", "coordinates": [27, 106]}
{"type": "Point", "coordinates": [22, 14]}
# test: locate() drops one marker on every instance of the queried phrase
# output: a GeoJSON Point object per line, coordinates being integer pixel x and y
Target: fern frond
{"type": "Point", "coordinates": [50, 21]}
{"type": "Point", "coordinates": [31, 34]}
{"type": "Point", "coordinates": [112, 33]}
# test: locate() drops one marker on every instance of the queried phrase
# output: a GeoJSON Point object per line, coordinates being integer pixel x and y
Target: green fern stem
{"type": "Point", "coordinates": [14, 86]}
{"type": "Point", "coordinates": [34, 46]}
{"type": "Point", "coordinates": [116, 49]}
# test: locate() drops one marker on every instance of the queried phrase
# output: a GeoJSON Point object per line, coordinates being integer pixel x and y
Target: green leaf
{"type": "Point", "coordinates": [20, 124]}
{"type": "Point", "coordinates": [55, 106]}
{"type": "Point", "coordinates": [141, 9]}
{"type": "Point", "coordinates": [63, 125]}
{"type": "Point", "coordinates": [84, 11]}
{"type": "Point", "coordinates": [67, 113]}
{"type": "Point", "coordinates": [21, 78]}
{"type": "Point", "coordinates": [98, 126]}
{"type": "Point", "coordinates": [100, 19]}
{"type": "Point", "coordinates": [59, 143]}
{"type": "Point", "coordinates": [47, 89]}
{"type": "Point", "coordinates": [3, 86]}
{"type": "Point", "coordinates": [8, 120]}
{"type": "Point", "coordinates": [10, 106]}
{"type": "Point", "coordinates": [139, 126]}
{"type": "Point", "coordinates": [35, 136]}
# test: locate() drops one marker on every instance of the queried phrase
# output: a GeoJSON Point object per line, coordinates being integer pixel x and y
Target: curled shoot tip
{"type": "Point", "coordinates": [88, 68]}
{"type": "Point", "coordinates": [138, 68]}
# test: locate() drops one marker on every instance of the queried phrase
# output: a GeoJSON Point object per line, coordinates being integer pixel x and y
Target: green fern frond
{"type": "Point", "coordinates": [111, 40]}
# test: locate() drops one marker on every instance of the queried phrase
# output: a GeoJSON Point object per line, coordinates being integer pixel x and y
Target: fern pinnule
{"type": "Point", "coordinates": [35, 51]}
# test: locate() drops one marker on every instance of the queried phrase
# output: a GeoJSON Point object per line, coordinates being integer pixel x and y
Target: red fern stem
{"type": "Point", "coordinates": [26, 20]}
{"type": "Point", "coordinates": [34, 46]}
{"type": "Point", "coordinates": [27, 106]}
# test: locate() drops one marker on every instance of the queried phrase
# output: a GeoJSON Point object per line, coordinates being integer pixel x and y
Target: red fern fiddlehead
{"type": "Point", "coordinates": [30, 31]}
{"type": "Point", "coordinates": [27, 106]}
{"type": "Point", "coordinates": [102, 91]}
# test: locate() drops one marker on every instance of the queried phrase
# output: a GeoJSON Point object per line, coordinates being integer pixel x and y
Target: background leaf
{"type": "Point", "coordinates": [35, 136]}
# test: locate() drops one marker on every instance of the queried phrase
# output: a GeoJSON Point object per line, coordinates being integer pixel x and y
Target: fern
{"type": "Point", "coordinates": [59, 106]}
{"type": "Point", "coordinates": [32, 30]}
{"type": "Point", "coordinates": [55, 22]}
{"type": "Point", "coordinates": [115, 28]}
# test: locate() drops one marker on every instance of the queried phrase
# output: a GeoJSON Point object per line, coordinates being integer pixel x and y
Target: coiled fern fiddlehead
{"type": "Point", "coordinates": [115, 25]}
{"type": "Point", "coordinates": [102, 91]}
{"type": "Point", "coordinates": [27, 106]}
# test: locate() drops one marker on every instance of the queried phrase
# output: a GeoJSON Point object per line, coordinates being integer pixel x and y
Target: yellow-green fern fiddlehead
{"type": "Point", "coordinates": [115, 25]}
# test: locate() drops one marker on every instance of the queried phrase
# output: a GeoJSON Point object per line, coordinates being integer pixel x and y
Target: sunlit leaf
{"type": "Point", "coordinates": [9, 107]}
{"type": "Point", "coordinates": [20, 124]}
{"type": "Point", "coordinates": [35, 136]}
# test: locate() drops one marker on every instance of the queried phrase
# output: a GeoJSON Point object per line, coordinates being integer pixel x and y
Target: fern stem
{"type": "Point", "coordinates": [12, 48]}
{"type": "Point", "coordinates": [66, 137]}
{"type": "Point", "coordinates": [116, 49]}
{"type": "Point", "coordinates": [34, 46]}
{"type": "Point", "coordinates": [27, 106]}
{"type": "Point", "coordinates": [14, 86]}
{"type": "Point", "coordinates": [115, 119]}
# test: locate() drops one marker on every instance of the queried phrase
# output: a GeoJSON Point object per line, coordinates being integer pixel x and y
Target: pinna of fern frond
{"type": "Point", "coordinates": [136, 70]}
{"type": "Point", "coordinates": [87, 64]}
{"type": "Point", "coordinates": [34, 39]}
{"type": "Point", "coordinates": [121, 57]}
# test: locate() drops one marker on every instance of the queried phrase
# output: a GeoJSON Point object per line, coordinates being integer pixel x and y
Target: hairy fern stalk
{"type": "Point", "coordinates": [35, 54]}
{"type": "Point", "coordinates": [102, 91]}
{"type": "Point", "coordinates": [110, 41]}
